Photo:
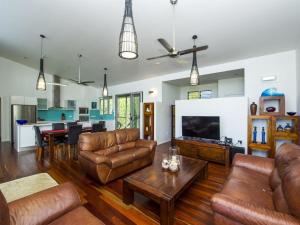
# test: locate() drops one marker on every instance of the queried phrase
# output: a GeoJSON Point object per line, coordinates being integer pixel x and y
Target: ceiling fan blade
{"type": "Point", "coordinates": [165, 44]}
{"type": "Point", "coordinates": [87, 82]}
{"type": "Point", "coordinates": [188, 51]}
{"type": "Point", "coordinates": [157, 57]}
{"type": "Point", "coordinates": [75, 81]}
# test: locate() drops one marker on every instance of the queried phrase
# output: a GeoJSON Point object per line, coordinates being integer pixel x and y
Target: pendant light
{"type": "Point", "coordinates": [173, 2]}
{"type": "Point", "coordinates": [194, 77]}
{"type": "Point", "coordinates": [105, 89]}
{"type": "Point", "coordinates": [41, 82]}
{"type": "Point", "coordinates": [128, 46]}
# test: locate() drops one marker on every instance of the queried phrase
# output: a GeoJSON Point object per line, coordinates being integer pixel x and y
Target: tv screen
{"type": "Point", "coordinates": [201, 126]}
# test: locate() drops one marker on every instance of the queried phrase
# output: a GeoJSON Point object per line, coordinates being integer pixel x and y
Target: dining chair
{"type": "Point", "coordinates": [70, 124]}
{"type": "Point", "coordinates": [40, 143]}
{"type": "Point", "coordinates": [72, 140]}
{"type": "Point", "coordinates": [58, 126]}
{"type": "Point", "coordinates": [97, 127]}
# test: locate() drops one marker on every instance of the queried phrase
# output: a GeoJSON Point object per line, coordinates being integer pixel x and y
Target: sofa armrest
{"type": "Point", "coordinates": [256, 163]}
{"type": "Point", "coordinates": [146, 144]}
{"type": "Point", "coordinates": [45, 206]}
{"type": "Point", "coordinates": [249, 214]}
{"type": "Point", "coordinates": [97, 159]}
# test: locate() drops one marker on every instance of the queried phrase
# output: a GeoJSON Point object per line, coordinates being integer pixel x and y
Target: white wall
{"type": "Point", "coordinates": [19, 80]}
{"type": "Point", "coordinates": [184, 90]}
{"type": "Point", "coordinates": [282, 64]}
{"type": "Point", "coordinates": [233, 113]}
{"type": "Point", "coordinates": [231, 87]}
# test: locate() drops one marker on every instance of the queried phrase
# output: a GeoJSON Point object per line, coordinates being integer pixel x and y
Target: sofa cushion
{"type": "Point", "coordinates": [121, 158]}
{"type": "Point", "coordinates": [4, 212]}
{"type": "Point", "coordinates": [78, 216]}
{"type": "Point", "coordinates": [127, 135]}
{"type": "Point", "coordinates": [107, 151]}
{"type": "Point", "coordinates": [140, 152]}
{"type": "Point", "coordinates": [291, 187]}
{"type": "Point", "coordinates": [250, 177]}
{"type": "Point", "coordinates": [97, 141]}
{"type": "Point", "coordinates": [125, 146]}
{"type": "Point", "coordinates": [286, 153]}
{"type": "Point", "coordinates": [237, 189]}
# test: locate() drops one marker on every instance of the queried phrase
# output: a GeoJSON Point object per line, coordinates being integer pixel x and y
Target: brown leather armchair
{"type": "Point", "coordinates": [106, 156]}
{"type": "Point", "coordinates": [261, 191]}
{"type": "Point", "coordinates": [59, 205]}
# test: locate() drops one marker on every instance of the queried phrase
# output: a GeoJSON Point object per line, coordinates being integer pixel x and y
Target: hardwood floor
{"type": "Point", "coordinates": [105, 202]}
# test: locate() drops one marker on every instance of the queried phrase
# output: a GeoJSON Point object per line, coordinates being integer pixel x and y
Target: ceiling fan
{"type": "Point", "coordinates": [172, 52]}
{"type": "Point", "coordinates": [79, 81]}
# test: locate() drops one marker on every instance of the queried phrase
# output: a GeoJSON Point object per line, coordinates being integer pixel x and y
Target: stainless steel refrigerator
{"type": "Point", "coordinates": [21, 112]}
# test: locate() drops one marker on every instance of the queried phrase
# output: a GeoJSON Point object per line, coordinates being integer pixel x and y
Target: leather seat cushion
{"type": "Point", "coordinates": [78, 216]}
{"type": "Point", "coordinates": [250, 177]}
{"type": "Point", "coordinates": [140, 152]}
{"type": "Point", "coordinates": [128, 156]}
{"type": "Point", "coordinates": [107, 151]}
{"type": "Point", "coordinates": [121, 158]}
{"type": "Point", "coordinates": [243, 191]}
{"type": "Point", "coordinates": [125, 146]}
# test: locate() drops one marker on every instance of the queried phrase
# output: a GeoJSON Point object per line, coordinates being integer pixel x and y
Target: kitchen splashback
{"type": "Point", "coordinates": [55, 114]}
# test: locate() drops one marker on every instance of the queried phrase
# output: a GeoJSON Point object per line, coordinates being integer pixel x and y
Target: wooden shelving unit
{"type": "Point", "coordinates": [149, 121]}
{"type": "Point", "coordinates": [272, 135]}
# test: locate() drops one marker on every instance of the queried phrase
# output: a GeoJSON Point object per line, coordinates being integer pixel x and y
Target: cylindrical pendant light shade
{"type": "Point", "coordinates": [194, 77]}
{"type": "Point", "coordinates": [41, 81]}
{"type": "Point", "coordinates": [105, 89]}
{"type": "Point", "coordinates": [128, 46]}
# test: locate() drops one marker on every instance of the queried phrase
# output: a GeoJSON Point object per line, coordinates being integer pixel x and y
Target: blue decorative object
{"type": "Point", "coordinates": [271, 92]}
{"type": "Point", "coordinates": [263, 136]}
{"type": "Point", "coordinates": [21, 122]}
{"type": "Point", "coordinates": [254, 135]}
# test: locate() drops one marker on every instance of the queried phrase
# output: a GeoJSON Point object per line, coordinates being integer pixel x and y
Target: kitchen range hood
{"type": "Point", "coordinates": [56, 93]}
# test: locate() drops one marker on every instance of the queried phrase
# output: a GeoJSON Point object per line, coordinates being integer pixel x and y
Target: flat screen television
{"type": "Point", "coordinates": [207, 127]}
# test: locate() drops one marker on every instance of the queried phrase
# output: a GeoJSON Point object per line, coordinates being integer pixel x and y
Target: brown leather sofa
{"type": "Point", "coordinates": [109, 155]}
{"type": "Point", "coordinates": [59, 205]}
{"type": "Point", "coordinates": [261, 190]}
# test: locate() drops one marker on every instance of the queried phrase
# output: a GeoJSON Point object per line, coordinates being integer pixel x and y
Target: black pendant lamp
{"type": "Point", "coordinates": [41, 82]}
{"type": "Point", "coordinates": [194, 77]}
{"type": "Point", "coordinates": [105, 89]}
{"type": "Point", "coordinates": [173, 2]}
{"type": "Point", "coordinates": [128, 46]}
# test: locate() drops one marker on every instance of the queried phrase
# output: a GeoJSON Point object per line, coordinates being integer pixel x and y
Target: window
{"type": "Point", "coordinates": [106, 105]}
{"type": "Point", "coordinates": [193, 95]}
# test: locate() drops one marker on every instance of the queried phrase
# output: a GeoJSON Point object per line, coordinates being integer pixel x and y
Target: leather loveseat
{"type": "Point", "coordinates": [59, 205]}
{"type": "Point", "coordinates": [261, 191]}
{"type": "Point", "coordinates": [109, 155]}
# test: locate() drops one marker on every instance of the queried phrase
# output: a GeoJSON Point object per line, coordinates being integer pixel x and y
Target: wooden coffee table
{"type": "Point", "coordinates": [163, 186]}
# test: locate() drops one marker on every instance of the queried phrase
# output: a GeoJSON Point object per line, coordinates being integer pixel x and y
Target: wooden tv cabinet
{"type": "Point", "coordinates": [205, 150]}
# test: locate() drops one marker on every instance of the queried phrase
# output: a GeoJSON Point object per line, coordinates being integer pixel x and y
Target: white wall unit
{"type": "Point", "coordinates": [233, 113]}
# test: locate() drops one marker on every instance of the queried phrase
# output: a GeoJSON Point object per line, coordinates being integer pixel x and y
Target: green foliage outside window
{"type": "Point", "coordinates": [193, 95]}
{"type": "Point", "coordinates": [106, 105]}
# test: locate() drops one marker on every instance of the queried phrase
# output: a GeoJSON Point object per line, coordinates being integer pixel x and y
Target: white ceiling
{"type": "Point", "coordinates": [233, 29]}
{"type": "Point", "coordinates": [209, 78]}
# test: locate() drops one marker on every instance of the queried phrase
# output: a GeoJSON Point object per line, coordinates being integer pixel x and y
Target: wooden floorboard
{"type": "Point", "coordinates": [105, 202]}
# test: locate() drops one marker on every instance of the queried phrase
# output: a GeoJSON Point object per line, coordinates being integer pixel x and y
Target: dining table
{"type": "Point", "coordinates": [50, 135]}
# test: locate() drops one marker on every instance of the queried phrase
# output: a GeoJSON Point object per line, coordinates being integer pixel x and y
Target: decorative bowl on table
{"type": "Point", "coordinates": [271, 109]}
{"type": "Point", "coordinates": [21, 122]}
{"type": "Point", "coordinates": [291, 113]}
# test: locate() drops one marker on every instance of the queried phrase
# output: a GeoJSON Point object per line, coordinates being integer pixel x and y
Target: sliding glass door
{"type": "Point", "coordinates": [128, 110]}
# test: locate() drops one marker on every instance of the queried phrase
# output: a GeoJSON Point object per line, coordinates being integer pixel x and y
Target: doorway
{"type": "Point", "coordinates": [128, 110]}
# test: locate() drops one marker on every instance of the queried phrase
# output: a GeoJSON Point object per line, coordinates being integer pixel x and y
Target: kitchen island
{"type": "Point", "coordinates": [24, 137]}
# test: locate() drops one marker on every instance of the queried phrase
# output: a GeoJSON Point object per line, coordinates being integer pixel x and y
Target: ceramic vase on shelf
{"type": "Point", "coordinates": [253, 109]}
{"type": "Point", "coordinates": [288, 127]}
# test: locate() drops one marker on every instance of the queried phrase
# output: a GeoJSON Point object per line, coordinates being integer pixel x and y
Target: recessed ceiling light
{"type": "Point", "coordinates": [269, 78]}
{"type": "Point", "coordinates": [157, 63]}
